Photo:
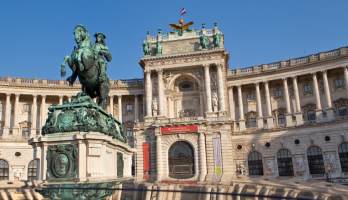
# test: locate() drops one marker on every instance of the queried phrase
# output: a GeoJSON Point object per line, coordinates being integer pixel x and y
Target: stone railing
{"type": "Point", "coordinates": [341, 52]}
{"type": "Point", "coordinates": [62, 83]}
{"type": "Point", "coordinates": [127, 83]}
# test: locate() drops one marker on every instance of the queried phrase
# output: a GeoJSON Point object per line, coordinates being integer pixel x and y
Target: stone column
{"type": "Point", "coordinates": [111, 105]}
{"type": "Point", "coordinates": [15, 115]}
{"type": "Point", "coordinates": [298, 111]}
{"type": "Point", "coordinates": [159, 157]}
{"type": "Point", "coordinates": [287, 101]}
{"type": "Point", "coordinates": [259, 107]}
{"type": "Point", "coordinates": [207, 87]}
{"type": "Point", "coordinates": [202, 158]}
{"type": "Point", "coordinates": [136, 108]}
{"type": "Point", "coordinates": [160, 92]}
{"type": "Point", "coordinates": [270, 122]}
{"type": "Point", "coordinates": [241, 109]}
{"type": "Point", "coordinates": [345, 72]}
{"type": "Point", "coordinates": [317, 98]}
{"type": "Point", "coordinates": [60, 100]}
{"type": "Point", "coordinates": [42, 111]}
{"type": "Point", "coordinates": [7, 115]}
{"type": "Point", "coordinates": [33, 115]}
{"type": "Point", "coordinates": [148, 93]}
{"type": "Point", "coordinates": [119, 101]}
{"type": "Point", "coordinates": [220, 83]}
{"type": "Point", "coordinates": [329, 109]}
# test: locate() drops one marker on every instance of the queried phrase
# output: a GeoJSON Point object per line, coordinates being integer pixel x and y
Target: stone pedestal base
{"type": "Point", "coordinates": [260, 123]}
{"type": "Point", "coordinates": [319, 115]}
{"type": "Point", "coordinates": [299, 119]}
{"type": "Point", "coordinates": [330, 116]}
{"type": "Point", "coordinates": [270, 122]}
{"type": "Point", "coordinates": [288, 120]}
{"type": "Point", "coordinates": [82, 156]}
{"type": "Point", "coordinates": [241, 125]}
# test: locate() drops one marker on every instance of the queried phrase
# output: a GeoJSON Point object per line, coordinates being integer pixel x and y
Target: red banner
{"type": "Point", "coordinates": [146, 157]}
{"type": "Point", "coordinates": [179, 129]}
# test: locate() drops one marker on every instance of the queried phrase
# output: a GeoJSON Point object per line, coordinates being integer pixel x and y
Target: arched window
{"type": "Point", "coordinates": [3, 170]}
{"type": "Point", "coordinates": [33, 169]}
{"type": "Point", "coordinates": [181, 160]}
{"type": "Point", "coordinates": [343, 154]}
{"type": "Point", "coordinates": [315, 160]}
{"type": "Point", "coordinates": [284, 159]}
{"type": "Point", "coordinates": [255, 163]}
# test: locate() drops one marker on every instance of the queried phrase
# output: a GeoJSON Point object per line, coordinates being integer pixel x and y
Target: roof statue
{"type": "Point", "coordinates": [182, 26]}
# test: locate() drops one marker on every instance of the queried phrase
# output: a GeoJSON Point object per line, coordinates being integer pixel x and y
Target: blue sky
{"type": "Point", "coordinates": [36, 35]}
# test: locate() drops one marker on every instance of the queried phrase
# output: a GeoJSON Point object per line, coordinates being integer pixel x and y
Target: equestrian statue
{"type": "Point", "coordinates": [88, 63]}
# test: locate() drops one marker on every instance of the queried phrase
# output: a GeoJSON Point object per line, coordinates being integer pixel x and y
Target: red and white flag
{"type": "Point", "coordinates": [182, 11]}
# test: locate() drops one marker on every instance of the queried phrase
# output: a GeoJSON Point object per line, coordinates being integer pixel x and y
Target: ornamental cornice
{"type": "Point", "coordinates": [183, 58]}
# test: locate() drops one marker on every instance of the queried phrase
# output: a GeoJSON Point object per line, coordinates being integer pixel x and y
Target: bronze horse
{"type": "Point", "coordinates": [85, 61]}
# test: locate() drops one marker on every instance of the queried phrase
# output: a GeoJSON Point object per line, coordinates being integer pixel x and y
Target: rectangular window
{"type": "Point", "coordinates": [129, 107]}
{"type": "Point", "coordinates": [342, 111]}
{"type": "Point", "coordinates": [26, 108]}
{"type": "Point", "coordinates": [251, 96]}
{"type": "Point", "coordinates": [278, 92]}
{"type": "Point", "coordinates": [311, 115]}
{"type": "Point", "coordinates": [129, 132]}
{"type": "Point", "coordinates": [25, 132]}
{"type": "Point", "coordinates": [339, 83]}
{"type": "Point", "coordinates": [307, 88]}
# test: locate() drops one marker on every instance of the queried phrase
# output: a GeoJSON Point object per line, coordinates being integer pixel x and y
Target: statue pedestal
{"type": "Point", "coordinates": [82, 156]}
{"type": "Point", "coordinates": [80, 160]}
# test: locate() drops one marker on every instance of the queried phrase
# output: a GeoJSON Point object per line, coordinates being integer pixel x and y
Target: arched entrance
{"type": "Point", "coordinates": [181, 160]}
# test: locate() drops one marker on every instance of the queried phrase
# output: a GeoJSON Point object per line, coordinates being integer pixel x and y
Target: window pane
{"type": "Point", "coordinates": [255, 163]}
{"type": "Point", "coordinates": [284, 159]}
{"type": "Point", "coordinates": [4, 168]}
{"type": "Point", "coordinates": [343, 154]}
{"type": "Point", "coordinates": [315, 160]}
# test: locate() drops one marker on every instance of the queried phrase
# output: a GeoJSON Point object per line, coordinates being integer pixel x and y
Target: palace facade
{"type": "Point", "coordinates": [194, 119]}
